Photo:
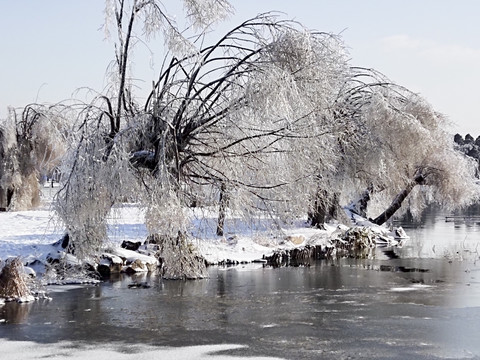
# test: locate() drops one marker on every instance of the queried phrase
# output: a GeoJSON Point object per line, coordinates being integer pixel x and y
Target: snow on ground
{"type": "Point", "coordinates": [26, 350]}
{"type": "Point", "coordinates": [249, 245]}
{"type": "Point", "coordinates": [26, 233]}
{"type": "Point", "coordinates": [248, 240]}
{"type": "Point", "coordinates": [31, 233]}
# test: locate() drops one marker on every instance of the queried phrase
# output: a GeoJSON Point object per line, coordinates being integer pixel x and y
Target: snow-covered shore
{"type": "Point", "coordinates": [31, 235]}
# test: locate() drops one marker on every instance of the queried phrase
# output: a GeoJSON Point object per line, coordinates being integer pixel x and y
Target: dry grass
{"type": "Point", "coordinates": [13, 281]}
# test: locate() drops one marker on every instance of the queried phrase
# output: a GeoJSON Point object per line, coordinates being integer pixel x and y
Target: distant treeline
{"type": "Point", "coordinates": [468, 145]}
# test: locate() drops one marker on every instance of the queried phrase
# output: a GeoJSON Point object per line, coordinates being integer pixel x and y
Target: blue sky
{"type": "Point", "coordinates": [50, 48]}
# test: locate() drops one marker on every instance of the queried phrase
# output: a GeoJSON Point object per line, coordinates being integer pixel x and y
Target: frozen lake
{"type": "Point", "coordinates": [419, 301]}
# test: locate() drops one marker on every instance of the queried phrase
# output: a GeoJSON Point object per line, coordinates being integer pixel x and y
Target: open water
{"type": "Point", "coordinates": [420, 301]}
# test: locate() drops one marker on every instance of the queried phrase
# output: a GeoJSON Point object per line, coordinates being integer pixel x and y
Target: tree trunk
{"type": "Point", "coordinates": [397, 202]}
{"type": "Point", "coordinates": [222, 209]}
{"type": "Point", "coordinates": [360, 205]}
{"type": "Point", "coordinates": [324, 208]}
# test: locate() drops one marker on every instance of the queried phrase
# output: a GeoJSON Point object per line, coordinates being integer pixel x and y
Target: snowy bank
{"type": "Point", "coordinates": [27, 350]}
{"type": "Point", "coordinates": [36, 237]}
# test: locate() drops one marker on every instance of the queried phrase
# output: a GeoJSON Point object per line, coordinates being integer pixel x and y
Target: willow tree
{"type": "Point", "coordinates": [399, 149]}
{"type": "Point", "coordinates": [32, 144]}
{"type": "Point", "coordinates": [239, 115]}
{"type": "Point", "coordinates": [97, 173]}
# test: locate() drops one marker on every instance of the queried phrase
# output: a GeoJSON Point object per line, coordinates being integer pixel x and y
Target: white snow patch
{"type": "Point", "coordinates": [411, 288]}
{"type": "Point", "coordinates": [243, 267]}
{"type": "Point", "coordinates": [27, 350]}
{"type": "Point", "coordinates": [110, 258]}
{"type": "Point", "coordinates": [131, 256]}
{"type": "Point", "coordinates": [266, 326]}
{"type": "Point", "coordinates": [392, 237]}
{"type": "Point", "coordinates": [23, 233]}
{"type": "Point", "coordinates": [25, 299]}
{"type": "Point", "coordinates": [64, 288]}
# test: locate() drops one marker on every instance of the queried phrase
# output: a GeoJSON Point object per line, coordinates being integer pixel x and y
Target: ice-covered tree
{"type": "Point", "coordinates": [235, 115]}
{"type": "Point", "coordinates": [270, 118]}
{"type": "Point", "coordinates": [32, 144]}
{"type": "Point", "coordinates": [98, 172]}
{"type": "Point", "coordinates": [398, 148]}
